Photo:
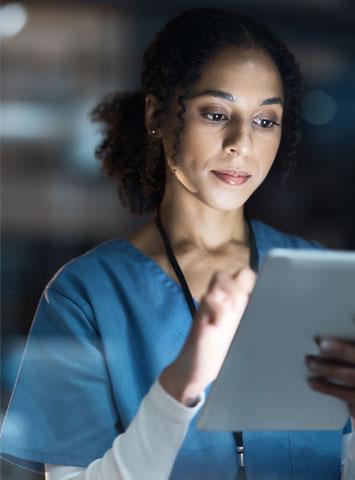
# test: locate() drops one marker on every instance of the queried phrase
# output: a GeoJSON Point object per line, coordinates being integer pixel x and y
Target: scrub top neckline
{"type": "Point", "coordinates": [161, 272]}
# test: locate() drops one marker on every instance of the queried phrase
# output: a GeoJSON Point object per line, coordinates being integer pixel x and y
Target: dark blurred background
{"type": "Point", "coordinates": [60, 57]}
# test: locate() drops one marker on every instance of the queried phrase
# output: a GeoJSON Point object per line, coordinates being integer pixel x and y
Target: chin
{"type": "Point", "coordinates": [224, 203]}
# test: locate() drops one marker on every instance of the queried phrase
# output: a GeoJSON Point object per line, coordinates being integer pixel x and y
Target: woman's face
{"type": "Point", "coordinates": [232, 123]}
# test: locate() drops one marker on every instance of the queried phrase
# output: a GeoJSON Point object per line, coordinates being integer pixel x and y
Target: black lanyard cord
{"type": "Point", "coordinates": [175, 265]}
{"type": "Point", "coordinates": [254, 261]}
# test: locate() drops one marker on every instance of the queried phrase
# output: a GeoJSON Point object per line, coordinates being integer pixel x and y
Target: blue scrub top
{"type": "Point", "coordinates": [106, 325]}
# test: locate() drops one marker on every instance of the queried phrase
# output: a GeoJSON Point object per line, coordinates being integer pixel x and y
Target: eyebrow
{"type": "Point", "coordinates": [230, 98]}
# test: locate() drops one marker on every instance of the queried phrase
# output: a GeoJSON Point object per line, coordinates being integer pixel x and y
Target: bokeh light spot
{"type": "Point", "coordinates": [319, 107]}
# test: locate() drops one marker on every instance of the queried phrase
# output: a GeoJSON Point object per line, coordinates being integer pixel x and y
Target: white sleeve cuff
{"type": "Point", "coordinates": [170, 406]}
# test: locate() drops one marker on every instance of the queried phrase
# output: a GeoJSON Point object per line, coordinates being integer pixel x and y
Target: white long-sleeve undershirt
{"type": "Point", "coordinates": [149, 446]}
{"type": "Point", "coordinates": [147, 449]}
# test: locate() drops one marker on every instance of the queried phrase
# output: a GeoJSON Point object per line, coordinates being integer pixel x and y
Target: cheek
{"type": "Point", "coordinates": [265, 152]}
{"type": "Point", "coordinates": [196, 149]}
{"type": "Point", "coordinates": [196, 134]}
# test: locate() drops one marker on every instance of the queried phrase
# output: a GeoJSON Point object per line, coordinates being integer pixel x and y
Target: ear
{"type": "Point", "coordinates": [151, 115]}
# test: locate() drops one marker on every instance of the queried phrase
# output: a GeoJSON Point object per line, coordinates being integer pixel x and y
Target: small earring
{"type": "Point", "coordinates": [154, 132]}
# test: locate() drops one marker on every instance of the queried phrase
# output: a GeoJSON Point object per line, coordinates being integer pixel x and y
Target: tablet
{"type": "Point", "coordinates": [262, 383]}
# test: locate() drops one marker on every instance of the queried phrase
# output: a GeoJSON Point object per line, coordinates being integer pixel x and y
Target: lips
{"type": "Point", "coordinates": [232, 177]}
{"type": "Point", "coordinates": [232, 173]}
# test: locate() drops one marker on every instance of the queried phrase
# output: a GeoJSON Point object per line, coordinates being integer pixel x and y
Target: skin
{"type": "Point", "coordinates": [204, 217]}
{"type": "Point", "coordinates": [221, 134]}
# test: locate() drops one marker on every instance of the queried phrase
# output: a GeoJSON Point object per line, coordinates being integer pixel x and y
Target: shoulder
{"type": "Point", "coordinates": [268, 237]}
{"type": "Point", "coordinates": [278, 238]}
{"type": "Point", "coordinates": [91, 272]}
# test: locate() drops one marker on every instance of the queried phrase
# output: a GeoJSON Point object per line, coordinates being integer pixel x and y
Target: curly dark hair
{"type": "Point", "coordinates": [174, 60]}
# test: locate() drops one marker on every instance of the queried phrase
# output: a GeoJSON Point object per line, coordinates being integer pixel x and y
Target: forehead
{"type": "Point", "coordinates": [243, 73]}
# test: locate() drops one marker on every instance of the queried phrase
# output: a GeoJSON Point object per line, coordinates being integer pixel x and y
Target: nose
{"type": "Point", "coordinates": [238, 141]}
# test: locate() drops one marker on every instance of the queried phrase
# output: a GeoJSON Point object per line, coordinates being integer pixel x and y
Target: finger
{"type": "Point", "coordinates": [323, 386]}
{"type": "Point", "coordinates": [211, 305]}
{"type": "Point", "coordinates": [220, 281]}
{"type": "Point", "coordinates": [245, 279]}
{"type": "Point", "coordinates": [337, 349]}
{"type": "Point", "coordinates": [331, 370]}
{"type": "Point", "coordinates": [222, 290]}
{"type": "Point", "coordinates": [217, 302]}
{"type": "Point", "coordinates": [219, 306]}
{"type": "Point", "coordinates": [226, 292]}
{"type": "Point", "coordinates": [204, 313]}
{"type": "Point", "coordinates": [242, 281]}
{"type": "Point", "coordinates": [239, 285]}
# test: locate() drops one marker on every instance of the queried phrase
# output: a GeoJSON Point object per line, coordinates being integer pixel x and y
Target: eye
{"type": "Point", "coordinates": [215, 117]}
{"type": "Point", "coordinates": [266, 124]}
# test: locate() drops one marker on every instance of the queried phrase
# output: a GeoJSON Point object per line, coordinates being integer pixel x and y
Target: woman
{"type": "Point", "coordinates": [118, 362]}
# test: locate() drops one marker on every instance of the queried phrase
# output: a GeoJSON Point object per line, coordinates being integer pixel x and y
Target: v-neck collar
{"type": "Point", "coordinates": [168, 280]}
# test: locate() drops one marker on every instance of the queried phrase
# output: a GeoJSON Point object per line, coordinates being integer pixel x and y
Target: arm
{"type": "Point", "coordinates": [149, 447]}
{"type": "Point", "coordinates": [156, 432]}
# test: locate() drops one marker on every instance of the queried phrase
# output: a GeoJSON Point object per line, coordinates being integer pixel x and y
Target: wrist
{"type": "Point", "coordinates": [184, 392]}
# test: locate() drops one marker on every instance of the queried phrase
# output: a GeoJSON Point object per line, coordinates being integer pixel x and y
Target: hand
{"type": "Point", "coordinates": [334, 369]}
{"type": "Point", "coordinates": [212, 331]}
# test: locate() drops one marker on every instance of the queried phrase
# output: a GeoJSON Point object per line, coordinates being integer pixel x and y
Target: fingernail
{"type": "Point", "coordinates": [327, 345]}
{"type": "Point", "coordinates": [314, 366]}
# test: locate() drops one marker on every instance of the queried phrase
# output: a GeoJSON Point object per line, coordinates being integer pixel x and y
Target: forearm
{"type": "Point", "coordinates": [147, 449]}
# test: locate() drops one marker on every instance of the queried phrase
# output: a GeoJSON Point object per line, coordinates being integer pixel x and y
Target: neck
{"type": "Point", "coordinates": [196, 224]}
